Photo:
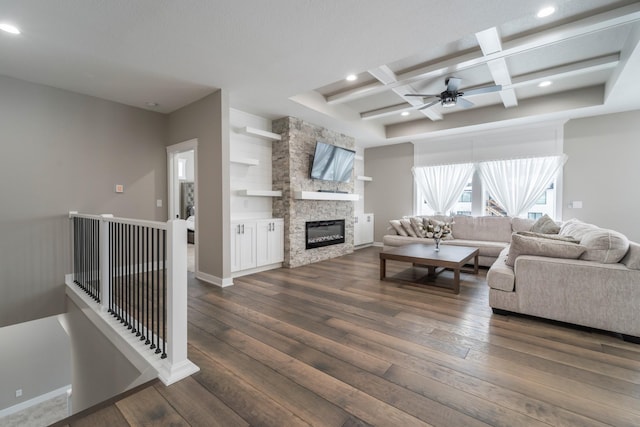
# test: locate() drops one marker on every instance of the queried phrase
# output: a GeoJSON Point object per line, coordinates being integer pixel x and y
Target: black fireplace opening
{"type": "Point", "coordinates": [324, 233]}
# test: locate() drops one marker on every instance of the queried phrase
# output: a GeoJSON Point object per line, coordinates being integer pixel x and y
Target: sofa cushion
{"type": "Point", "coordinates": [395, 224]}
{"type": "Point", "coordinates": [394, 240]}
{"type": "Point", "coordinates": [500, 275]}
{"type": "Point", "coordinates": [576, 228]}
{"type": "Point", "coordinates": [632, 258]}
{"type": "Point", "coordinates": [489, 228]}
{"type": "Point", "coordinates": [408, 228]}
{"type": "Point", "coordinates": [546, 225]}
{"type": "Point", "coordinates": [526, 245]}
{"type": "Point", "coordinates": [521, 224]}
{"type": "Point", "coordinates": [549, 236]}
{"type": "Point", "coordinates": [605, 246]}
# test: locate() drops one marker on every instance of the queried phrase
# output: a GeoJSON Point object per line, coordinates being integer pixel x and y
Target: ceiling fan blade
{"type": "Point", "coordinates": [423, 95]}
{"type": "Point", "coordinates": [431, 104]}
{"type": "Point", "coordinates": [486, 89]}
{"type": "Point", "coordinates": [464, 103]}
{"type": "Point", "coordinates": [453, 83]}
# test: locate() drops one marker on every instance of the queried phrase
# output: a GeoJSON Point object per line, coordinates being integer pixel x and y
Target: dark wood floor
{"type": "Point", "coordinates": [331, 345]}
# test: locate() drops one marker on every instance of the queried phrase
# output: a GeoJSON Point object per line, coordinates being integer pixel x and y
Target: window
{"type": "Point", "coordinates": [542, 200]}
{"type": "Point", "coordinates": [534, 215]}
{"type": "Point", "coordinates": [465, 197]}
{"type": "Point", "coordinates": [182, 169]}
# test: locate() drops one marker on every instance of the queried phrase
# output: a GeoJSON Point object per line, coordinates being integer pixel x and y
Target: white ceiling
{"type": "Point", "coordinates": [289, 57]}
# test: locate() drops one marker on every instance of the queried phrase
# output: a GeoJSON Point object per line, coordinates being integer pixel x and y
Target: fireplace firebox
{"type": "Point", "coordinates": [324, 233]}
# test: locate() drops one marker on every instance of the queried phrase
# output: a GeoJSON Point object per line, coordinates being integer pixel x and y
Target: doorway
{"type": "Point", "coordinates": [182, 173]}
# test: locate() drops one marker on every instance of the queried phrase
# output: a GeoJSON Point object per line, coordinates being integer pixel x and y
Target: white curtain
{"type": "Point", "coordinates": [517, 184]}
{"type": "Point", "coordinates": [441, 186]}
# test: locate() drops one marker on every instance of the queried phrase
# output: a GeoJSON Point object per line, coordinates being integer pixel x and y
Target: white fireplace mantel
{"type": "Point", "coordinates": [321, 195]}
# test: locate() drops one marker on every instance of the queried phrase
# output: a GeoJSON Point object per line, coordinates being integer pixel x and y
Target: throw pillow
{"type": "Point", "coordinates": [395, 224]}
{"type": "Point", "coordinates": [527, 245]}
{"type": "Point", "coordinates": [632, 258]}
{"type": "Point", "coordinates": [576, 228]}
{"type": "Point", "coordinates": [549, 236]}
{"type": "Point", "coordinates": [605, 246]}
{"type": "Point", "coordinates": [545, 225]}
{"type": "Point", "coordinates": [418, 226]}
{"type": "Point", "coordinates": [406, 225]}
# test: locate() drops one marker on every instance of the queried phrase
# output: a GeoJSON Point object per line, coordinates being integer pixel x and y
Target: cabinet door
{"type": "Point", "coordinates": [357, 230]}
{"type": "Point", "coordinates": [243, 247]}
{"type": "Point", "coordinates": [367, 228]}
{"type": "Point", "coordinates": [270, 241]}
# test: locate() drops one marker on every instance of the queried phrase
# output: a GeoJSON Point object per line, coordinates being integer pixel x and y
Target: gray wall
{"type": "Point", "coordinates": [35, 357]}
{"type": "Point", "coordinates": [603, 171]}
{"type": "Point", "coordinates": [63, 151]}
{"type": "Point", "coordinates": [390, 194]}
{"type": "Point", "coordinates": [208, 121]}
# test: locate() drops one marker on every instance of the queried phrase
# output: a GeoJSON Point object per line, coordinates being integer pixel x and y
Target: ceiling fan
{"type": "Point", "coordinates": [451, 96]}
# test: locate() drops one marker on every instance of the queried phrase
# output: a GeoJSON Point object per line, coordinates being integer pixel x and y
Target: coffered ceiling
{"type": "Point", "coordinates": [290, 57]}
{"type": "Point", "coordinates": [580, 61]}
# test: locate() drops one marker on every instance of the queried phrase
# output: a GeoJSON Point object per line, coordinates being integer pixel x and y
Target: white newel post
{"type": "Point", "coordinates": [104, 262]}
{"type": "Point", "coordinates": [177, 364]}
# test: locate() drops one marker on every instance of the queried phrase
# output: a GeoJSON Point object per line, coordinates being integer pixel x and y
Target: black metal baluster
{"type": "Point", "coordinates": [145, 308]}
{"type": "Point", "coordinates": [152, 280]}
{"type": "Point", "coordinates": [120, 273]}
{"type": "Point", "coordinates": [158, 293]}
{"type": "Point", "coordinates": [164, 294]}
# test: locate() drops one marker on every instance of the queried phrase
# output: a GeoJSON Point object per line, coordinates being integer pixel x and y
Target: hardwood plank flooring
{"type": "Point", "coordinates": [329, 344]}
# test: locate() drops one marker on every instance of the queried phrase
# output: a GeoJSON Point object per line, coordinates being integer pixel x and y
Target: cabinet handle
{"type": "Point", "coordinates": [242, 228]}
{"type": "Point", "coordinates": [238, 229]}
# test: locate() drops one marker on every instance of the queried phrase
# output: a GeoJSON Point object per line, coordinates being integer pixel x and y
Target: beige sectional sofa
{"type": "Point", "coordinates": [600, 289]}
{"type": "Point", "coordinates": [584, 275]}
{"type": "Point", "coordinates": [490, 234]}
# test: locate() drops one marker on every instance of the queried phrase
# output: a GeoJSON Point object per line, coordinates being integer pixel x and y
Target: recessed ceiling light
{"type": "Point", "coordinates": [8, 28]}
{"type": "Point", "coordinates": [351, 77]}
{"type": "Point", "coordinates": [545, 83]}
{"type": "Point", "coordinates": [405, 113]}
{"type": "Point", "coordinates": [151, 104]}
{"type": "Point", "coordinates": [546, 11]}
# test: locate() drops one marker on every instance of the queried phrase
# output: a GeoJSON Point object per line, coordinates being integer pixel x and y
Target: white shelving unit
{"type": "Point", "coordinates": [248, 130]}
{"type": "Point", "coordinates": [321, 195]}
{"type": "Point", "coordinates": [246, 161]}
{"type": "Point", "coordinates": [364, 178]}
{"type": "Point", "coordinates": [260, 193]}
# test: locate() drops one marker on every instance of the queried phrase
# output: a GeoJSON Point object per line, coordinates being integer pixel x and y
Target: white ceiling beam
{"type": "Point", "coordinates": [489, 41]}
{"type": "Point", "coordinates": [509, 98]}
{"type": "Point", "coordinates": [384, 74]}
{"type": "Point", "coordinates": [582, 27]}
{"type": "Point", "coordinates": [386, 111]}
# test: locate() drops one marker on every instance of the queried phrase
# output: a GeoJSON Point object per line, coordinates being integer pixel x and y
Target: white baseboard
{"type": "Point", "coordinates": [34, 401]}
{"type": "Point", "coordinates": [214, 280]}
{"type": "Point", "coordinates": [257, 269]}
{"type": "Point", "coordinates": [378, 244]}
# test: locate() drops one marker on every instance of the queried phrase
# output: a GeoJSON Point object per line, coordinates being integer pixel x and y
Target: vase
{"type": "Point", "coordinates": [437, 240]}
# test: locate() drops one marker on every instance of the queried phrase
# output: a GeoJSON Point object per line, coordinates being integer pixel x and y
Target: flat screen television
{"type": "Point", "coordinates": [332, 163]}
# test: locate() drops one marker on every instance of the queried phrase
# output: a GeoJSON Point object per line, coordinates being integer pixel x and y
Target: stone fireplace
{"type": "Point", "coordinates": [290, 171]}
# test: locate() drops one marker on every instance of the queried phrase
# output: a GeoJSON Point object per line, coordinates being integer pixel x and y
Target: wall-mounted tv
{"type": "Point", "coordinates": [332, 163]}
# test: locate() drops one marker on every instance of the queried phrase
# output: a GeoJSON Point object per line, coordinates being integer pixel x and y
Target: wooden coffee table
{"type": "Point", "coordinates": [448, 258]}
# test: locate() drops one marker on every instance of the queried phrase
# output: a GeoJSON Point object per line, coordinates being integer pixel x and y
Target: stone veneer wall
{"type": "Point", "coordinates": [291, 162]}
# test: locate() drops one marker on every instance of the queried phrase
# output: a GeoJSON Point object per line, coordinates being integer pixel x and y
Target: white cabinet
{"type": "Point", "coordinates": [256, 242]}
{"type": "Point", "coordinates": [270, 241]}
{"type": "Point", "coordinates": [363, 229]}
{"type": "Point", "coordinates": [243, 247]}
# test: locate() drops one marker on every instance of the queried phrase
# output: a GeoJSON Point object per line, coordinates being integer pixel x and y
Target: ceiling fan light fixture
{"type": "Point", "coordinates": [448, 102]}
{"type": "Point", "coordinates": [546, 11]}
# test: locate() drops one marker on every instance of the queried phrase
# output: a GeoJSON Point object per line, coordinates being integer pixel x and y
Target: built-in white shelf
{"type": "Point", "coordinates": [245, 161]}
{"type": "Point", "coordinates": [248, 130]}
{"type": "Point", "coordinates": [260, 193]}
{"type": "Point", "coordinates": [321, 195]}
{"type": "Point", "coordinates": [364, 178]}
